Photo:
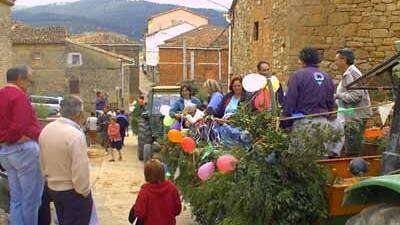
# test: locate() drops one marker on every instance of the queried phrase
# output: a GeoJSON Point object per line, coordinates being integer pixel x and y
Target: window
{"type": "Point", "coordinates": [256, 31]}
{"type": "Point", "coordinates": [74, 59]}
{"type": "Point", "coordinates": [74, 86]}
{"type": "Point", "coordinates": [36, 56]}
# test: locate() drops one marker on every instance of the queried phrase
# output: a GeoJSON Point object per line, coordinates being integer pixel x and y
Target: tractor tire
{"type": "Point", "coordinates": [144, 137]}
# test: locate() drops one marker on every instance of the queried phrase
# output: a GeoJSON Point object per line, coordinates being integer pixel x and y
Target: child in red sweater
{"type": "Point", "coordinates": [158, 202]}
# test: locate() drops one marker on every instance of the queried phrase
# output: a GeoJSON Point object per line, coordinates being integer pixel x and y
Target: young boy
{"type": "Point", "coordinates": [158, 202]}
{"type": "Point", "coordinates": [115, 138]}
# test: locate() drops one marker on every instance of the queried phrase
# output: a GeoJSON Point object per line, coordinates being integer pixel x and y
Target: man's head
{"type": "Point", "coordinates": [263, 68]}
{"type": "Point", "coordinates": [344, 58]}
{"type": "Point", "coordinates": [20, 76]}
{"type": "Point", "coordinates": [309, 56]}
{"type": "Point", "coordinates": [72, 108]}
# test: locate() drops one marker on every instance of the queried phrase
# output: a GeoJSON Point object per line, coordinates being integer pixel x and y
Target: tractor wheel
{"type": "Point", "coordinates": [144, 137]}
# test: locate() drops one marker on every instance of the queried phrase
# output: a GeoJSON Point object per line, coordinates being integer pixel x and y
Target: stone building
{"type": "Point", "coordinates": [62, 66]}
{"type": "Point", "coordinates": [119, 44]}
{"type": "Point", "coordinates": [276, 30]}
{"type": "Point", "coordinates": [5, 39]}
{"type": "Point", "coordinates": [196, 55]}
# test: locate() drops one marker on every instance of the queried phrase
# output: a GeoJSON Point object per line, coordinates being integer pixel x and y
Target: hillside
{"type": "Point", "coordinates": [122, 16]}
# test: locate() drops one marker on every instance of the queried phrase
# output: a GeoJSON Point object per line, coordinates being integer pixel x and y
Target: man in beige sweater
{"type": "Point", "coordinates": [65, 164]}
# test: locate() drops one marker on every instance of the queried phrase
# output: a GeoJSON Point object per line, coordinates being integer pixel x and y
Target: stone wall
{"type": "Point", "coordinates": [131, 51]}
{"type": "Point", "coordinates": [52, 74]}
{"type": "Point", "coordinates": [5, 42]}
{"type": "Point", "coordinates": [369, 27]}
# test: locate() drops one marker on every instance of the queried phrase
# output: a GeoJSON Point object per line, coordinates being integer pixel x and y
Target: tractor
{"type": "Point", "coordinates": [151, 120]}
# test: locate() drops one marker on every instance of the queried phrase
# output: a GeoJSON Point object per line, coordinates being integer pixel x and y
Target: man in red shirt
{"type": "Point", "coordinates": [19, 150]}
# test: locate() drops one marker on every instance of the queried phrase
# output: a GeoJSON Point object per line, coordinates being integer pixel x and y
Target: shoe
{"type": "Point", "coordinates": [111, 160]}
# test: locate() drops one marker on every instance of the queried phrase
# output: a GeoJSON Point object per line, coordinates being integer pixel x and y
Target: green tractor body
{"type": "Point", "coordinates": [151, 121]}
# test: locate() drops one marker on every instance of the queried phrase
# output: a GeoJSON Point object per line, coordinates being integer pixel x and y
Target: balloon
{"type": "Point", "coordinates": [275, 83]}
{"type": "Point", "coordinates": [164, 110]}
{"type": "Point", "coordinates": [206, 171]}
{"type": "Point", "coordinates": [174, 136]}
{"type": "Point", "coordinates": [188, 145]}
{"type": "Point", "coordinates": [168, 121]}
{"type": "Point", "coordinates": [226, 163]}
{"type": "Point", "coordinates": [254, 82]}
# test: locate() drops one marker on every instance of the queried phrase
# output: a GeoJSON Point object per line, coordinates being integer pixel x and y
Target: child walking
{"type": "Point", "coordinates": [115, 138]}
{"type": "Point", "coordinates": [158, 202]}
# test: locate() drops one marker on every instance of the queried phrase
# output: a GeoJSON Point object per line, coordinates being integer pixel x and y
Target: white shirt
{"type": "Point", "coordinates": [91, 123]}
{"type": "Point", "coordinates": [197, 116]}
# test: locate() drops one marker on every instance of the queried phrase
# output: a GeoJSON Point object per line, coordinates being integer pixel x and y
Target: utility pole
{"type": "Point", "coordinates": [184, 68]}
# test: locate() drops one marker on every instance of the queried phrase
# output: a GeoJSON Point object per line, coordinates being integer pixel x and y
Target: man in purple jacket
{"type": "Point", "coordinates": [310, 90]}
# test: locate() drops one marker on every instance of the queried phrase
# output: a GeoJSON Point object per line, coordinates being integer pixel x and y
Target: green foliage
{"type": "Point", "coordinates": [287, 190]}
{"type": "Point", "coordinates": [42, 111]}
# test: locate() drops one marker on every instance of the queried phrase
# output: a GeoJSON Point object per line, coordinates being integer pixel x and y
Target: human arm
{"type": "Point", "coordinates": [215, 101]}
{"type": "Point", "coordinates": [291, 96]}
{"type": "Point", "coordinates": [175, 110]}
{"type": "Point", "coordinates": [349, 96]}
{"type": "Point", "coordinates": [22, 127]}
{"type": "Point", "coordinates": [141, 205]}
{"type": "Point", "coordinates": [80, 166]}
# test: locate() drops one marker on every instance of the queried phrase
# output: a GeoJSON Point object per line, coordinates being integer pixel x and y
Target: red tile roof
{"type": "Point", "coordinates": [96, 38]}
{"type": "Point", "coordinates": [25, 34]}
{"type": "Point", "coordinates": [201, 37]}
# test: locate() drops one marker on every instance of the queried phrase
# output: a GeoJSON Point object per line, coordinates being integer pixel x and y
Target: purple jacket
{"type": "Point", "coordinates": [310, 91]}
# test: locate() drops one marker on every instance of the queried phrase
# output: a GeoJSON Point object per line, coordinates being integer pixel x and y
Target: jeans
{"type": "Point", "coordinates": [25, 180]}
{"type": "Point", "coordinates": [72, 208]}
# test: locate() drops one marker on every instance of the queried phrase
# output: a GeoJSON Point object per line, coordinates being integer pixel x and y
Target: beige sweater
{"type": "Point", "coordinates": [63, 157]}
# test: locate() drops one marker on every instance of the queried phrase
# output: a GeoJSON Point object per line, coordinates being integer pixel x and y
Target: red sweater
{"type": "Point", "coordinates": [17, 116]}
{"type": "Point", "coordinates": [158, 204]}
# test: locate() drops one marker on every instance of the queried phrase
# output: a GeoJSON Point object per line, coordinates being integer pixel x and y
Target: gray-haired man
{"type": "Point", "coordinates": [65, 164]}
{"type": "Point", "coordinates": [355, 123]}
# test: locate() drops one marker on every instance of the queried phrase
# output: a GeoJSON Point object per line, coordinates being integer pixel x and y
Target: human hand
{"type": "Point", "coordinates": [24, 139]}
{"type": "Point", "coordinates": [178, 116]}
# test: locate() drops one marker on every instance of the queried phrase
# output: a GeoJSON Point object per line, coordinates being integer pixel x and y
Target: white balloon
{"type": "Point", "coordinates": [164, 109]}
{"type": "Point", "coordinates": [254, 82]}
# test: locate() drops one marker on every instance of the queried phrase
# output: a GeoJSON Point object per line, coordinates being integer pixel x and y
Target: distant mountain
{"type": "Point", "coordinates": [121, 16]}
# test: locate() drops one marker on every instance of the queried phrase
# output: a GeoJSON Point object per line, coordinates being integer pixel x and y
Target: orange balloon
{"type": "Point", "coordinates": [175, 136]}
{"type": "Point", "coordinates": [188, 145]}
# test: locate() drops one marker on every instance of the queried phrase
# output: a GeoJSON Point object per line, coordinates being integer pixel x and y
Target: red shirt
{"type": "Point", "coordinates": [17, 116]}
{"type": "Point", "coordinates": [158, 204]}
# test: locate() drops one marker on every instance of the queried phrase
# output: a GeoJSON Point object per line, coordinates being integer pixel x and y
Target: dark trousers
{"type": "Point", "coordinates": [44, 210]}
{"type": "Point", "coordinates": [72, 208]}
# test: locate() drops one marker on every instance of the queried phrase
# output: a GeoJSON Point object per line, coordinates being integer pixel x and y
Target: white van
{"type": "Point", "coordinates": [53, 103]}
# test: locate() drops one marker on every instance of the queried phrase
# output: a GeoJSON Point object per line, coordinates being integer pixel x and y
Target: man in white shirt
{"type": "Point", "coordinates": [65, 164]}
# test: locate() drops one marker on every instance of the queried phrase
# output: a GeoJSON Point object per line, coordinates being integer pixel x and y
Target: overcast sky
{"type": "Point", "coordinates": [188, 3]}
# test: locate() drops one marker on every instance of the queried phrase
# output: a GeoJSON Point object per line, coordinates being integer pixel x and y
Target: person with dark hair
{"type": "Point", "coordinates": [232, 100]}
{"type": "Point", "coordinates": [186, 99]}
{"type": "Point", "coordinates": [101, 102]}
{"type": "Point", "coordinates": [19, 149]}
{"type": "Point", "coordinates": [310, 90]}
{"type": "Point", "coordinates": [277, 95]}
{"type": "Point", "coordinates": [158, 202]}
{"type": "Point", "coordinates": [355, 122]}
{"type": "Point", "coordinates": [114, 134]}
{"type": "Point", "coordinates": [123, 121]}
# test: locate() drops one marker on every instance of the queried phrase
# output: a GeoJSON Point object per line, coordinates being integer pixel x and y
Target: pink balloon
{"type": "Point", "coordinates": [226, 163]}
{"type": "Point", "coordinates": [206, 171]}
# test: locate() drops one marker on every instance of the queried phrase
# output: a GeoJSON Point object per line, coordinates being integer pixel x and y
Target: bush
{"type": "Point", "coordinates": [42, 111]}
{"type": "Point", "coordinates": [288, 188]}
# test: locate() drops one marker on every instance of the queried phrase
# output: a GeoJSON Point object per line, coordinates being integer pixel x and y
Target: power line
{"type": "Point", "coordinates": [219, 4]}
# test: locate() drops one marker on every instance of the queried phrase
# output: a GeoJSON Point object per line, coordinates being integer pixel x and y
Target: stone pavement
{"type": "Point", "coordinates": [116, 184]}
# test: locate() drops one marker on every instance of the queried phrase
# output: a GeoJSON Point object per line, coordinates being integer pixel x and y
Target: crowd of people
{"type": "Point", "coordinates": [51, 164]}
